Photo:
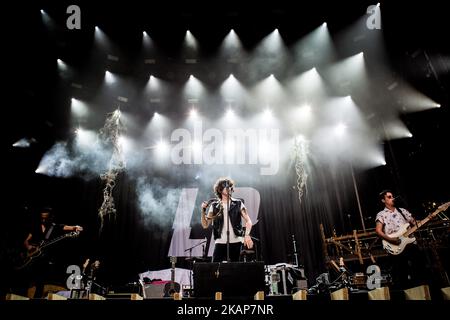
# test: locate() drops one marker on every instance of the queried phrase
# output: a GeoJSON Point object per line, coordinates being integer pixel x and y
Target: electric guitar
{"type": "Point", "coordinates": [32, 255]}
{"type": "Point", "coordinates": [172, 287]}
{"type": "Point", "coordinates": [405, 232]}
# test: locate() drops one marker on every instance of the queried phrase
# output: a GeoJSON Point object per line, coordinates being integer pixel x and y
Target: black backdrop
{"type": "Point", "coordinates": [416, 168]}
{"type": "Point", "coordinates": [128, 244]}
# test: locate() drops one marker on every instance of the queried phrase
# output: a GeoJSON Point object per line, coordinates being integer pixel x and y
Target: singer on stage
{"type": "Point", "coordinates": [228, 245]}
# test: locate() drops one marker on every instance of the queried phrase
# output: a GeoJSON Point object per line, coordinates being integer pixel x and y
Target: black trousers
{"type": "Point", "coordinates": [408, 269]}
{"type": "Point", "coordinates": [43, 272]}
{"type": "Point", "coordinates": [220, 252]}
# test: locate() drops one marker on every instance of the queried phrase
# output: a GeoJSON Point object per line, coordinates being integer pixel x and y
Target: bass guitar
{"type": "Point", "coordinates": [405, 232]}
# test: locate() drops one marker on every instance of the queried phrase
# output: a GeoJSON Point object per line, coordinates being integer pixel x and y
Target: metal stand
{"type": "Point", "coordinates": [228, 236]}
{"type": "Point", "coordinates": [228, 219]}
{"type": "Point", "coordinates": [357, 199]}
{"type": "Point", "coordinates": [295, 251]}
{"type": "Point", "coordinates": [191, 260]}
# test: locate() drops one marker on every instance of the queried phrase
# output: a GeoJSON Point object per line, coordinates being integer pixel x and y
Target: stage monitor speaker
{"type": "Point", "coordinates": [233, 279]}
{"type": "Point", "coordinates": [153, 290]}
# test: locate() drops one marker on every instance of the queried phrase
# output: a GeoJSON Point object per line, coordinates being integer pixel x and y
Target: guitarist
{"type": "Point", "coordinates": [42, 268]}
{"type": "Point", "coordinates": [407, 268]}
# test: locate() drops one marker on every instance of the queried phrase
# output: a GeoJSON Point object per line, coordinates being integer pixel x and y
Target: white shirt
{"type": "Point", "coordinates": [223, 236]}
{"type": "Point", "coordinates": [392, 221]}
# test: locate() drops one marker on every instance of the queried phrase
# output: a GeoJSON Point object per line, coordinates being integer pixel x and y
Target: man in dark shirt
{"type": "Point", "coordinates": [39, 260]}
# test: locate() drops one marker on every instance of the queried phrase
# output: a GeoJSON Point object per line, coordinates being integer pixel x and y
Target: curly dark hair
{"type": "Point", "coordinates": [220, 185]}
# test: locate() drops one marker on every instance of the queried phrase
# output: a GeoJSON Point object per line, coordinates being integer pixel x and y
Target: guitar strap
{"type": "Point", "coordinates": [401, 212]}
{"type": "Point", "coordinates": [49, 232]}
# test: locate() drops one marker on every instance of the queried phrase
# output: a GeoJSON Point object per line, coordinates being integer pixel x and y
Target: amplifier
{"type": "Point", "coordinates": [154, 290]}
{"type": "Point", "coordinates": [233, 279]}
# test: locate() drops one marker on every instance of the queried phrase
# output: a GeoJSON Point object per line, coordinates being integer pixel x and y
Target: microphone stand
{"type": "Point", "coordinates": [228, 221]}
{"type": "Point", "coordinates": [190, 257]}
{"type": "Point", "coordinates": [190, 249]}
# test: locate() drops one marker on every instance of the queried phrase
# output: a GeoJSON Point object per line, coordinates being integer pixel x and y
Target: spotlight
{"type": "Point", "coordinates": [78, 108]}
{"type": "Point", "coordinates": [340, 129]}
{"type": "Point", "coordinates": [196, 146]}
{"type": "Point", "coordinates": [161, 147]}
{"type": "Point", "coordinates": [392, 86]}
{"type": "Point", "coordinates": [61, 65]}
{"type": "Point", "coordinates": [267, 114]}
{"type": "Point", "coordinates": [109, 77]}
{"type": "Point", "coordinates": [306, 108]}
{"type": "Point", "coordinates": [193, 113]}
{"type": "Point", "coordinates": [24, 143]}
{"type": "Point", "coordinates": [230, 113]}
{"type": "Point", "coordinates": [300, 138]}
{"type": "Point", "coordinates": [40, 170]}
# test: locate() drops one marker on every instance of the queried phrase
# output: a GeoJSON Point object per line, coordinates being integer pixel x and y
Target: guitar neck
{"type": "Point", "coordinates": [46, 244]}
{"type": "Point", "coordinates": [172, 273]}
{"type": "Point", "coordinates": [414, 228]}
{"type": "Point", "coordinates": [421, 223]}
{"type": "Point", "coordinates": [173, 260]}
